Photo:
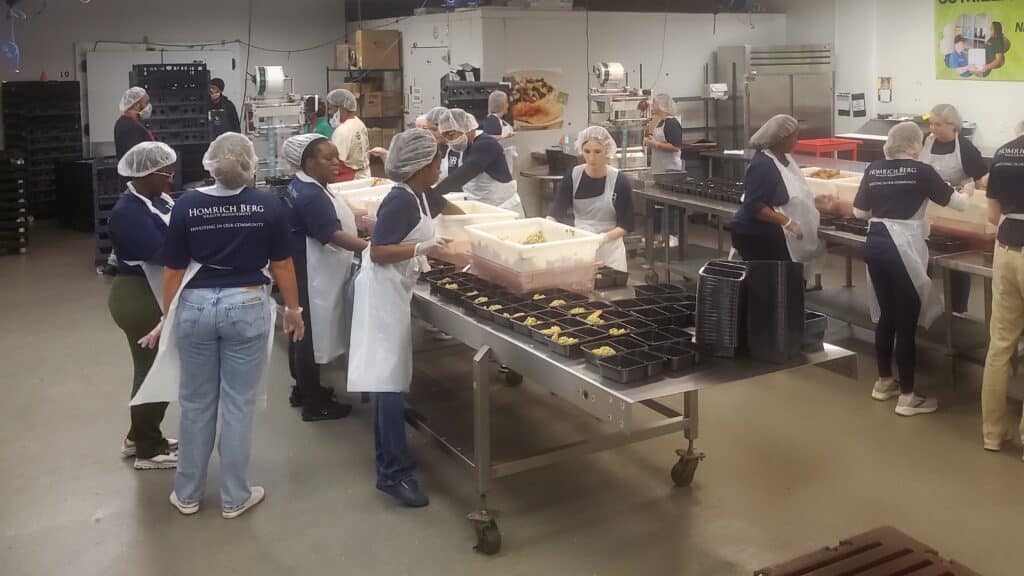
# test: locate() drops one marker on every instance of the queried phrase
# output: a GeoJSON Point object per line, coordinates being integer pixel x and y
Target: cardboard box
{"type": "Point", "coordinates": [386, 134]}
{"type": "Point", "coordinates": [344, 56]}
{"type": "Point", "coordinates": [392, 104]}
{"type": "Point", "coordinates": [373, 104]}
{"type": "Point", "coordinates": [378, 49]}
{"type": "Point", "coordinates": [376, 137]}
{"type": "Point", "coordinates": [355, 88]}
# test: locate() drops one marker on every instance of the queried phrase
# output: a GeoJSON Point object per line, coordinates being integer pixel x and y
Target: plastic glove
{"type": "Point", "coordinates": [153, 338]}
{"type": "Point", "coordinates": [423, 247]}
{"type": "Point", "coordinates": [293, 323]}
{"type": "Point", "coordinates": [608, 237]}
{"type": "Point", "coordinates": [379, 152]}
{"type": "Point", "coordinates": [969, 188]}
{"type": "Point", "coordinates": [794, 229]}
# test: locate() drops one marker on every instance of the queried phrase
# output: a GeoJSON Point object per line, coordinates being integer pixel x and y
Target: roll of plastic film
{"type": "Point", "coordinates": [269, 81]}
{"type": "Point", "coordinates": [610, 72]}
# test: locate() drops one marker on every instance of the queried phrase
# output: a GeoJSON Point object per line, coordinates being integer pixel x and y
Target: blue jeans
{"type": "Point", "coordinates": [394, 462]}
{"type": "Point", "coordinates": [222, 337]}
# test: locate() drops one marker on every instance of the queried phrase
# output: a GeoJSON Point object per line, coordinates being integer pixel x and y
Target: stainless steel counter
{"type": "Point", "coordinates": [579, 385]}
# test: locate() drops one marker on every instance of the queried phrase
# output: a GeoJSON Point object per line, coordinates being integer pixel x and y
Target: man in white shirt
{"type": "Point", "coordinates": [349, 136]}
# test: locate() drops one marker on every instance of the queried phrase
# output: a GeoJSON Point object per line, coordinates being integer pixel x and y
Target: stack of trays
{"type": "Point", "coordinates": [13, 205]}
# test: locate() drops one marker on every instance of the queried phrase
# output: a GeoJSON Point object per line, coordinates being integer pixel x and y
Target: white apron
{"type": "Point", "coordinates": [663, 160]}
{"type": "Point", "coordinates": [949, 166]}
{"type": "Point", "coordinates": [511, 153]}
{"type": "Point", "coordinates": [801, 210]}
{"type": "Point", "coordinates": [164, 377]}
{"type": "Point", "coordinates": [380, 356]}
{"type": "Point", "coordinates": [485, 189]}
{"type": "Point", "coordinates": [597, 215]}
{"type": "Point", "coordinates": [154, 272]}
{"type": "Point", "coordinates": [909, 238]}
{"type": "Point", "coordinates": [327, 270]}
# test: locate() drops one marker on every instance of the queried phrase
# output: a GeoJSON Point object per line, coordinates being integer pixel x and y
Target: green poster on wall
{"type": "Point", "coordinates": [980, 40]}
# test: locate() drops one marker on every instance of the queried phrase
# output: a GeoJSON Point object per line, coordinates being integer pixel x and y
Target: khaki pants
{"type": "Point", "coordinates": [1007, 325]}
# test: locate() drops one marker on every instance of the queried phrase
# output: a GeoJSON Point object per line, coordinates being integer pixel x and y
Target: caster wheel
{"type": "Point", "coordinates": [651, 277]}
{"type": "Point", "coordinates": [513, 379]}
{"type": "Point", "coordinates": [685, 469]}
{"type": "Point", "coordinates": [488, 538]}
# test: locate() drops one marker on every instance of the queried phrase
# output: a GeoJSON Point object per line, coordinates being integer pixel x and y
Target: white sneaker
{"type": "Point", "coordinates": [158, 462]}
{"type": "Point", "coordinates": [255, 497]}
{"type": "Point", "coordinates": [912, 405]}
{"type": "Point", "coordinates": [186, 510]}
{"type": "Point", "coordinates": [885, 389]}
{"type": "Point", "coordinates": [128, 447]}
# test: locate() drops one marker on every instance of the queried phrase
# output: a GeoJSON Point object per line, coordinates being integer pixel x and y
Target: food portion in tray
{"type": "Point", "coordinates": [826, 174]}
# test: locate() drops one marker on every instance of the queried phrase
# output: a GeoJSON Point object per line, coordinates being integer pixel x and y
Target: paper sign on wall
{"type": "Point", "coordinates": [884, 89]}
{"type": "Point", "coordinates": [843, 103]}
{"type": "Point", "coordinates": [860, 107]}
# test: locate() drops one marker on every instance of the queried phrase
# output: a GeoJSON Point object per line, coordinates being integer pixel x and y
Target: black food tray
{"type": "Point", "coordinates": [584, 335]}
{"type": "Point", "coordinates": [622, 369]}
{"type": "Point", "coordinates": [545, 315]}
{"type": "Point", "coordinates": [652, 337]}
{"type": "Point", "coordinates": [677, 358]}
{"type": "Point", "coordinates": [593, 360]}
{"type": "Point", "coordinates": [655, 363]}
{"type": "Point", "coordinates": [506, 321]}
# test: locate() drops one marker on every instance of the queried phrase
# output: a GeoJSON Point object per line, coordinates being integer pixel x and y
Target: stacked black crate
{"type": "Point", "coordinates": [43, 121]}
{"type": "Point", "coordinates": [13, 205]}
{"type": "Point", "coordinates": [180, 94]}
{"type": "Point", "coordinates": [106, 189]}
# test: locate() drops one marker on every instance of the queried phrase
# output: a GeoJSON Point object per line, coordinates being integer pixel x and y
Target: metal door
{"type": "Point", "coordinates": [812, 104]}
{"type": "Point", "coordinates": [767, 95]}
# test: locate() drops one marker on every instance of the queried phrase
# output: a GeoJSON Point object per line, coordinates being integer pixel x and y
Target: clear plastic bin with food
{"type": "Point", "coordinates": [971, 224]}
{"type": "Point", "coordinates": [359, 184]}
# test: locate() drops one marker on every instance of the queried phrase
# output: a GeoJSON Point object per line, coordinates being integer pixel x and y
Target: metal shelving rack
{"type": "Point", "coordinates": [42, 122]}
{"type": "Point", "coordinates": [358, 76]}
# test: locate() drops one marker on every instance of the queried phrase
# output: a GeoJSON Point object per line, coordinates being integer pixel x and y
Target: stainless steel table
{"type": "Point", "coordinates": [973, 263]}
{"type": "Point", "coordinates": [581, 387]}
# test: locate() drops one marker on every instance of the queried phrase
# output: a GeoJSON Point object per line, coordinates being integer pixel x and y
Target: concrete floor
{"type": "Point", "coordinates": [794, 463]}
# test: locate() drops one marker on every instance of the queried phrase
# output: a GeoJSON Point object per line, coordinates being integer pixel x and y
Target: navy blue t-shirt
{"type": "Point", "coordinates": [1006, 184]}
{"type": "Point", "coordinates": [763, 186]}
{"type": "Point", "coordinates": [311, 213]}
{"type": "Point", "coordinates": [232, 236]}
{"type": "Point", "coordinates": [491, 125]}
{"type": "Point", "coordinates": [673, 131]}
{"type": "Point", "coordinates": [622, 197]}
{"type": "Point", "coordinates": [484, 155]}
{"type": "Point", "coordinates": [400, 213]}
{"type": "Point", "coordinates": [136, 233]}
{"type": "Point", "coordinates": [896, 189]}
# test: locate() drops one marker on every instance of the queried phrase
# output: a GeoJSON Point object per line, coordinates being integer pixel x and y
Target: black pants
{"type": "Point", "coordinates": [301, 361]}
{"type": "Point", "coordinates": [900, 308]}
{"type": "Point", "coordinates": [135, 311]}
{"type": "Point", "coordinates": [761, 246]}
{"type": "Point", "coordinates": [960, 282]}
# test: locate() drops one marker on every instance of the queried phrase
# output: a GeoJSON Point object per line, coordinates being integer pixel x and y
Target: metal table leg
{"type": "Point", "coordinates": [665, 237]}
{"type": "Point", "coordinates": [685, 469]}
{"type": "Point", "coordinates": [849, 267]}
{"type": "Point", "coordinates": [488, 537]}
{"type": "Point", "coordinates": [947, 315]}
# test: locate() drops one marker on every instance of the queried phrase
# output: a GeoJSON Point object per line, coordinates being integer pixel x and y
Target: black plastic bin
{"type": "Point", "coordinates": [720, 307]}
{"type": "Point", "coordinates": [775, 310]}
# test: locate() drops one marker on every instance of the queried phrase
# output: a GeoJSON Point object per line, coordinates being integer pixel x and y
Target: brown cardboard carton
{"type": "Point", "coordinates": [354, 87]}
{"type": "Point", "coordinates": [375, 136]}
{"type": "Point", "coordinates": [378, 49]}
{"type": "Point", "coordinates": [344, 56]}
{"type": "Point", "coordinates": [373, 104]}
{"type": "Point", "coordinates": [392, 104]}
{"type": "Point", "coordinates": [386, 134]}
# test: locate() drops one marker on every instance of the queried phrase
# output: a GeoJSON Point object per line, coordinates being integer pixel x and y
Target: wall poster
{"type": "Point", "coordinates": [979, 40]}
{"type": "Point", "coordinates": [537, 100]}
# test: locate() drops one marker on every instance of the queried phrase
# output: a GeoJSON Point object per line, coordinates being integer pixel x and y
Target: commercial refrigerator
{"type": "Point", "coordinates": [798, 80]}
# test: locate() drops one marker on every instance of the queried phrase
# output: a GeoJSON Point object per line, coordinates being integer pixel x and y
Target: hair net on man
{"type": "Point", "coordinates": [664, 103]}
{"type": "Point", "coordinates": [599, 134]}
{"type": "Point", "coordinates": [409, 152]}
{"type": "Point", "coordinates": [145, 158]}
{"type": "Point", "coordinates": [231, 160]}
{"type": "Point", "coordinates": [343, 99]}
{"type": "Point", "coordinates": [130, 97]}
{"type": "Point", "coordinates": [904, 141]}
{"type": "Point", "coordinates": [948, 114]}
{"type": "Point", "coordinates": [293, 148]}
{"type": "Point", "coordinates": [774, 130]}
{"type": "Point", "coordinates": [458, 120]}
{"type": "Point", "coordinates": [496, 101]}
{"type": "Point", "coordinates": [435, 114]}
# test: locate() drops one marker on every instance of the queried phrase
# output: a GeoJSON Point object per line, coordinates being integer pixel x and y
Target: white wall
{"type": "Point", "coordinates": [48, 40]}
{"type": "Point", "coordinates": [810, 21]}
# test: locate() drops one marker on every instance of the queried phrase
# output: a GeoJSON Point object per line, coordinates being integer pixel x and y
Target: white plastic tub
{"type": "Point", "coordinates": [845, 193]}
{"type": "Point", "coordinates": [359, 184]}
{"type": "Point", "coordinates": [821, 187]}
{"type": "Point", "coordinates": [454, 227]}
{"type": "Point", "coordinates": [357, 199]}
{"type": "Point", "coordinates": [564, 246]}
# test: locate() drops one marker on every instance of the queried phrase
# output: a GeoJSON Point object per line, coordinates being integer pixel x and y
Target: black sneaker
{"type": "Point", "coordinates": [407, 493]}
{"type": "Point", "coordinates": [295, 398]}
{"type": "Point", "coordinates": [327, 411]}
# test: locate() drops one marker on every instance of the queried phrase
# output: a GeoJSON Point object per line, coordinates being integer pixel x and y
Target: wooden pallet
{"type": "Point", "coordinates": [883, 551]}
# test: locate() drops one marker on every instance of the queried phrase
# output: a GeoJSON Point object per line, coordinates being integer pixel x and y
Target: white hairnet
{"type": "Point", "coordinates": [293, 148]}
{"type": "Point", "coordinates": [409, 152]}
{"type": "Point", "coordinates": [231, 160]}
{"type": "Point", "coordinates": [599, 134]}
{"type": "Point", "coordinates": [496, 101]}
{"type": "Point", "coordinates": [775, 129]}
{"type": "Point", "coordinates": [343, 99]}
{"type": "Point", "coordinates": [948, 114]}
{"type": "Point", "coordinates": [1019, 130]}
{"type": "Point", "coordinates": [904, 141]}
{"type": "Point", "coordinates": [130, 97]}
{"type": "Point", "coordinates": [664, 103]}
{"type": "Point", "coordinates": [457, 119]}
{"type": "Point", "coordinates": [435, 114]}
{"type": "Point", "coordinates": [145, 158]}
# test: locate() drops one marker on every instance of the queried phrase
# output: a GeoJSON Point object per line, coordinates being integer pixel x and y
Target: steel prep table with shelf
{"type": "Point", "coordinates": [580, 386]}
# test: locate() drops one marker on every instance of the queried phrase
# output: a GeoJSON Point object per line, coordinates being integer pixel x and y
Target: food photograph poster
{"type": "Point", "coordinates": [538, 102]}
{"type": "Point", "coordinates": [979, 41]}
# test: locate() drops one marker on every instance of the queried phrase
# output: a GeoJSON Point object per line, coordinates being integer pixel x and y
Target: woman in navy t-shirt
{"type": "Point", "coordinates": [138, 224]}
{"type": "Point", "coordinates": [219, 242]}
